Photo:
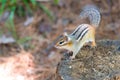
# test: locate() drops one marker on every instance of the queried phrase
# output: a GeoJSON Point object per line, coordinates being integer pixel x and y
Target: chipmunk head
{"type": "Point", "coordinates": [64, 42]}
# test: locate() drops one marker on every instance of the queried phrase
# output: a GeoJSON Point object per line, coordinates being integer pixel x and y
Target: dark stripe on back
{"type": "Point", "coordinates": [81, 32]}
{"type": "Point", "coordinates": [76, 31]}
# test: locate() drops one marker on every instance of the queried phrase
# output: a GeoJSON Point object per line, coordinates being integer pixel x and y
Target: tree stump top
{"type": "Point", "coordinates": [101, 63]}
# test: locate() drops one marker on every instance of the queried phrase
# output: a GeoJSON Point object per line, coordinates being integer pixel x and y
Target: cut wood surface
{"type": "Point", "coordinates": [100, 63]}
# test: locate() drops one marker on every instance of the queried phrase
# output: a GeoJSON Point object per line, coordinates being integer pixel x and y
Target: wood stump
{"type": "Point", "coordinates": [100, 63]}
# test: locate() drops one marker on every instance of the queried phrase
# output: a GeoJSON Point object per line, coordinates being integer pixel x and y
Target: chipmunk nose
{"type": "Point", "coordinates": [55, 46]}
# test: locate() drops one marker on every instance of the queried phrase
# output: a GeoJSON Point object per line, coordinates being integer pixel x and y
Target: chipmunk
{"type": "Point", "coordinates": [83, 34]}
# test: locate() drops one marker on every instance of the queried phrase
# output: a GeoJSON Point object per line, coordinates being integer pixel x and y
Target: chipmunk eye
{"type": "Point", "coordinates": [61, 42]}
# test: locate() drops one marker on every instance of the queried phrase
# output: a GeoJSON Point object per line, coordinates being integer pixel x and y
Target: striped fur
{"type": "Point", "coordinates": [80, 31]}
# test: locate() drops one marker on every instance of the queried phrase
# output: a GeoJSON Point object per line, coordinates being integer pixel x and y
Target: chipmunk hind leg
{"type": "Point", "coordinates": [93, 43]}
{"type": "Point", "coordinates": [92, 39]}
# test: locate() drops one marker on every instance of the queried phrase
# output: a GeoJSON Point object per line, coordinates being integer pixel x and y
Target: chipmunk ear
{"type": "Point", "coordinates": [66, 35]}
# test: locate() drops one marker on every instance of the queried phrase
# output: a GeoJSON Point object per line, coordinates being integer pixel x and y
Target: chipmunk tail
{"type": "Point", "coordinates": [93, 13]}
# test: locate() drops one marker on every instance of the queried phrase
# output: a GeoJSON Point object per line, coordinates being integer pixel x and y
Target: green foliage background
{"type": "Point", "coordinates": [19, 8]}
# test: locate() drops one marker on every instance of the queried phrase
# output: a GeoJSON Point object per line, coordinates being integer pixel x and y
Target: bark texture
{"type": "Point", "coordinates": [100, 63]}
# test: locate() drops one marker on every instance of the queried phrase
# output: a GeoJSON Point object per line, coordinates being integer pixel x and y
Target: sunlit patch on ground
{"type": "Point", "coordinates": [18, 67]}
{"type": "Point", "coordinates": [22, 67]}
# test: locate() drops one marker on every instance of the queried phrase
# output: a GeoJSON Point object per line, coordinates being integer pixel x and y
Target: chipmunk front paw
{"type": "Point", "coordinates": [72, 57]}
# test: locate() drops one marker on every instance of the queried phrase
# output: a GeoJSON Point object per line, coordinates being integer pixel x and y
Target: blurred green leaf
{"type": "Point", "coordinates": [23, 40]}
{"type": "Point", "coordinates": [21, 5]}
{"type": "Point", "coordinates": [12, 12]}
{"type": "Point", "coordinates": [27, 6]}
{"type": "Point", "coordinates": [46, 10]}
{"type": "Point", "coordinates": [56, 2]}
{"type": "Point", "coordinates": [3, 3]}
{"type": "Point", "coordinates": [33, 2]}
{"type": "Point", "coordinates": [10, 23]}
{"type": "Point", "coordinates": [13, 1]}
{"type": "Point", "coordinates": [20, 11]}
{"type": "Point", "coordinates": [10, 26]}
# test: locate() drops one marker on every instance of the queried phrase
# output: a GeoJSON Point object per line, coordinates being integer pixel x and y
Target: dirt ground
{"type": "Point", "coordinates": [45, 31]}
